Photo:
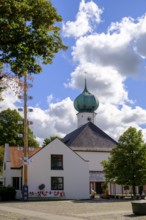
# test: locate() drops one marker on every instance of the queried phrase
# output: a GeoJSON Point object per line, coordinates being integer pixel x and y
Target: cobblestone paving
{"type": "Point", "coordinates": [83, 210]}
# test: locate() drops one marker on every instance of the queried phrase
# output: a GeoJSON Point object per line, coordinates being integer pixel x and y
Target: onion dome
{"type": "Point", "coordinates": [86, 102]}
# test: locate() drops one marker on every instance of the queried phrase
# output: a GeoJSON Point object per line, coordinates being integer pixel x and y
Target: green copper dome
{"type": "Point", "coordinates": [86, 102]}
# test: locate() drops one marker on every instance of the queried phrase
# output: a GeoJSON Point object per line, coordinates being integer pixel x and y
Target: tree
{"type": "Point", "coordinates": [127, 163]}
{"type": "Point", "coordinates": [28, 35]}
{"type": "Point", "coordinates": [9, 129]}
{"type": "Point", "coordinates": [50, 139]}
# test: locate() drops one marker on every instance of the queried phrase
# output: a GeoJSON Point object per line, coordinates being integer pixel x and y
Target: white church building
{"type": "Point", "coordinates": [67, 168]}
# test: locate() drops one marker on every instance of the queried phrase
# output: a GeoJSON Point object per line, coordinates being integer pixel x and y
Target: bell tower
{"type": "Point", "coordinates": [86, 104]}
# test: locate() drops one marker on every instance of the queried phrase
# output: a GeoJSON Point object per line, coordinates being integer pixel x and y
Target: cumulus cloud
{"type": "Point", "coordinates": [57, 120]}
{"type": "Point", "coordinates": [87, 18]}
{"type": "Point", "coordinates": [101, 83]}
{"type": "Point", "coordinates": [117, 48]}
{"type": "Point", "coordinates": [9, 99]}
{"type": "Point", "coordinates": [141, 45]}
{"type": "Point", "coordinates": [50, 98]}
{"type": "Point", "coordinates": [103, 50]}
{"type": "Point", "coordinates": [115, 120]}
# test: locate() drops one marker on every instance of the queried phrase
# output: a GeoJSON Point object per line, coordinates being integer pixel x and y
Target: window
{"type": "Point", "coordinates": [57, 183]}
{"type": "Point", "coordinates": [57, 162]}
{"type": "Point", "coordinates": [15, 182]}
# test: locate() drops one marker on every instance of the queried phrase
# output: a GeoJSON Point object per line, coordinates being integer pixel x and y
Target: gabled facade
{"type": "Point", "coordinates": [53, 171]}
{"type": "Point", "coordinates": [61, 171]}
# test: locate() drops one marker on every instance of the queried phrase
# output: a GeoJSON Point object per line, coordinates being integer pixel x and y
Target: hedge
{"type": "Point", "coordinates": [7, 193]}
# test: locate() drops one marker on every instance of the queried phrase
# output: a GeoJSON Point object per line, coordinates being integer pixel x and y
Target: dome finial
{"type": "Point", "coordinates": [85, 88]}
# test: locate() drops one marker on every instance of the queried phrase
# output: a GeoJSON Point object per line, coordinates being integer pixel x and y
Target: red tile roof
{"type": "Point", "coordinates": [16, 156]}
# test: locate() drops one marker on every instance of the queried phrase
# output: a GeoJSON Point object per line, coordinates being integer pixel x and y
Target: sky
{"type": "Point", "coordinates": [106, 40]}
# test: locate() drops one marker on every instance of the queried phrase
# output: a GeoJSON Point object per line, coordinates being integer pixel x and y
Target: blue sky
{"type": "Point", "coordinates": [106, 39]}
{"type": "Point", "coordinates": [55, 75]}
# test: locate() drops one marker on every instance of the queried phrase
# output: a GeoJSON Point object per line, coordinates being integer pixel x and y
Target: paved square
{"type": "Point", "coordinates": [68, 210]}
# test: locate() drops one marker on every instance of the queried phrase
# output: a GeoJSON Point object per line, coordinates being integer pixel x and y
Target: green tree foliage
{"type": "Point", "coordinates": [28, 34]}
{"type": "Point", "coordinates": [9, 129]}
{"type": "Point", "coordinates": [127, 162]}
{"type": "Point", "coordinates": [50, 139]}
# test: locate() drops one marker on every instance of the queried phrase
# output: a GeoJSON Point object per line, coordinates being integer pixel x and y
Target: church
{"type": "Point", "coordinates": [69, 168]}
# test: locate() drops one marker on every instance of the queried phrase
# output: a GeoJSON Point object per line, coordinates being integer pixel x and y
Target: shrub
{"type": "Point", "coordinates": [7, 193]}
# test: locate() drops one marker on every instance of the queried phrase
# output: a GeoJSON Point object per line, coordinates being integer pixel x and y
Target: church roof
{"type": "Point", "coordinates": [89, 138]}
{"type": "Point", "coordinates": [86, 102]}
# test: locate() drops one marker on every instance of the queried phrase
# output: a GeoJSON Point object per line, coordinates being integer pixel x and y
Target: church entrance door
{"type": "Point", "coordinates": [99, 188]}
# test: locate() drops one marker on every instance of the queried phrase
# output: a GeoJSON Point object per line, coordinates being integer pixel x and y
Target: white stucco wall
{"type": "Point", "coordinates": [75, 171]}
{"type": "Point", "coordinates": [85, 117]}
{"type": "Point", "coordinates": [9, 173]}
{"type": "Point", "coordinates": [94, 158]}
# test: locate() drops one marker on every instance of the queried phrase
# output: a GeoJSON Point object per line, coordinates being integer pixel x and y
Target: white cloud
{"type": "Point", "coordinates": [115, 120]}
{"type": "Point", "coordinates": [104, 50]}
{"type": "Point", "coordinates": [101, 81]}
{"type": "Point", "coordinates": [87, 18]}
{"type": "Point", "coordinates": [9, 100]}
{"type": "Point", "coordinates": [58, 120]}
{"type": "Point", "coordinates": [50, 98]}
{"type": "Point", "coordinates": [141, 45]}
